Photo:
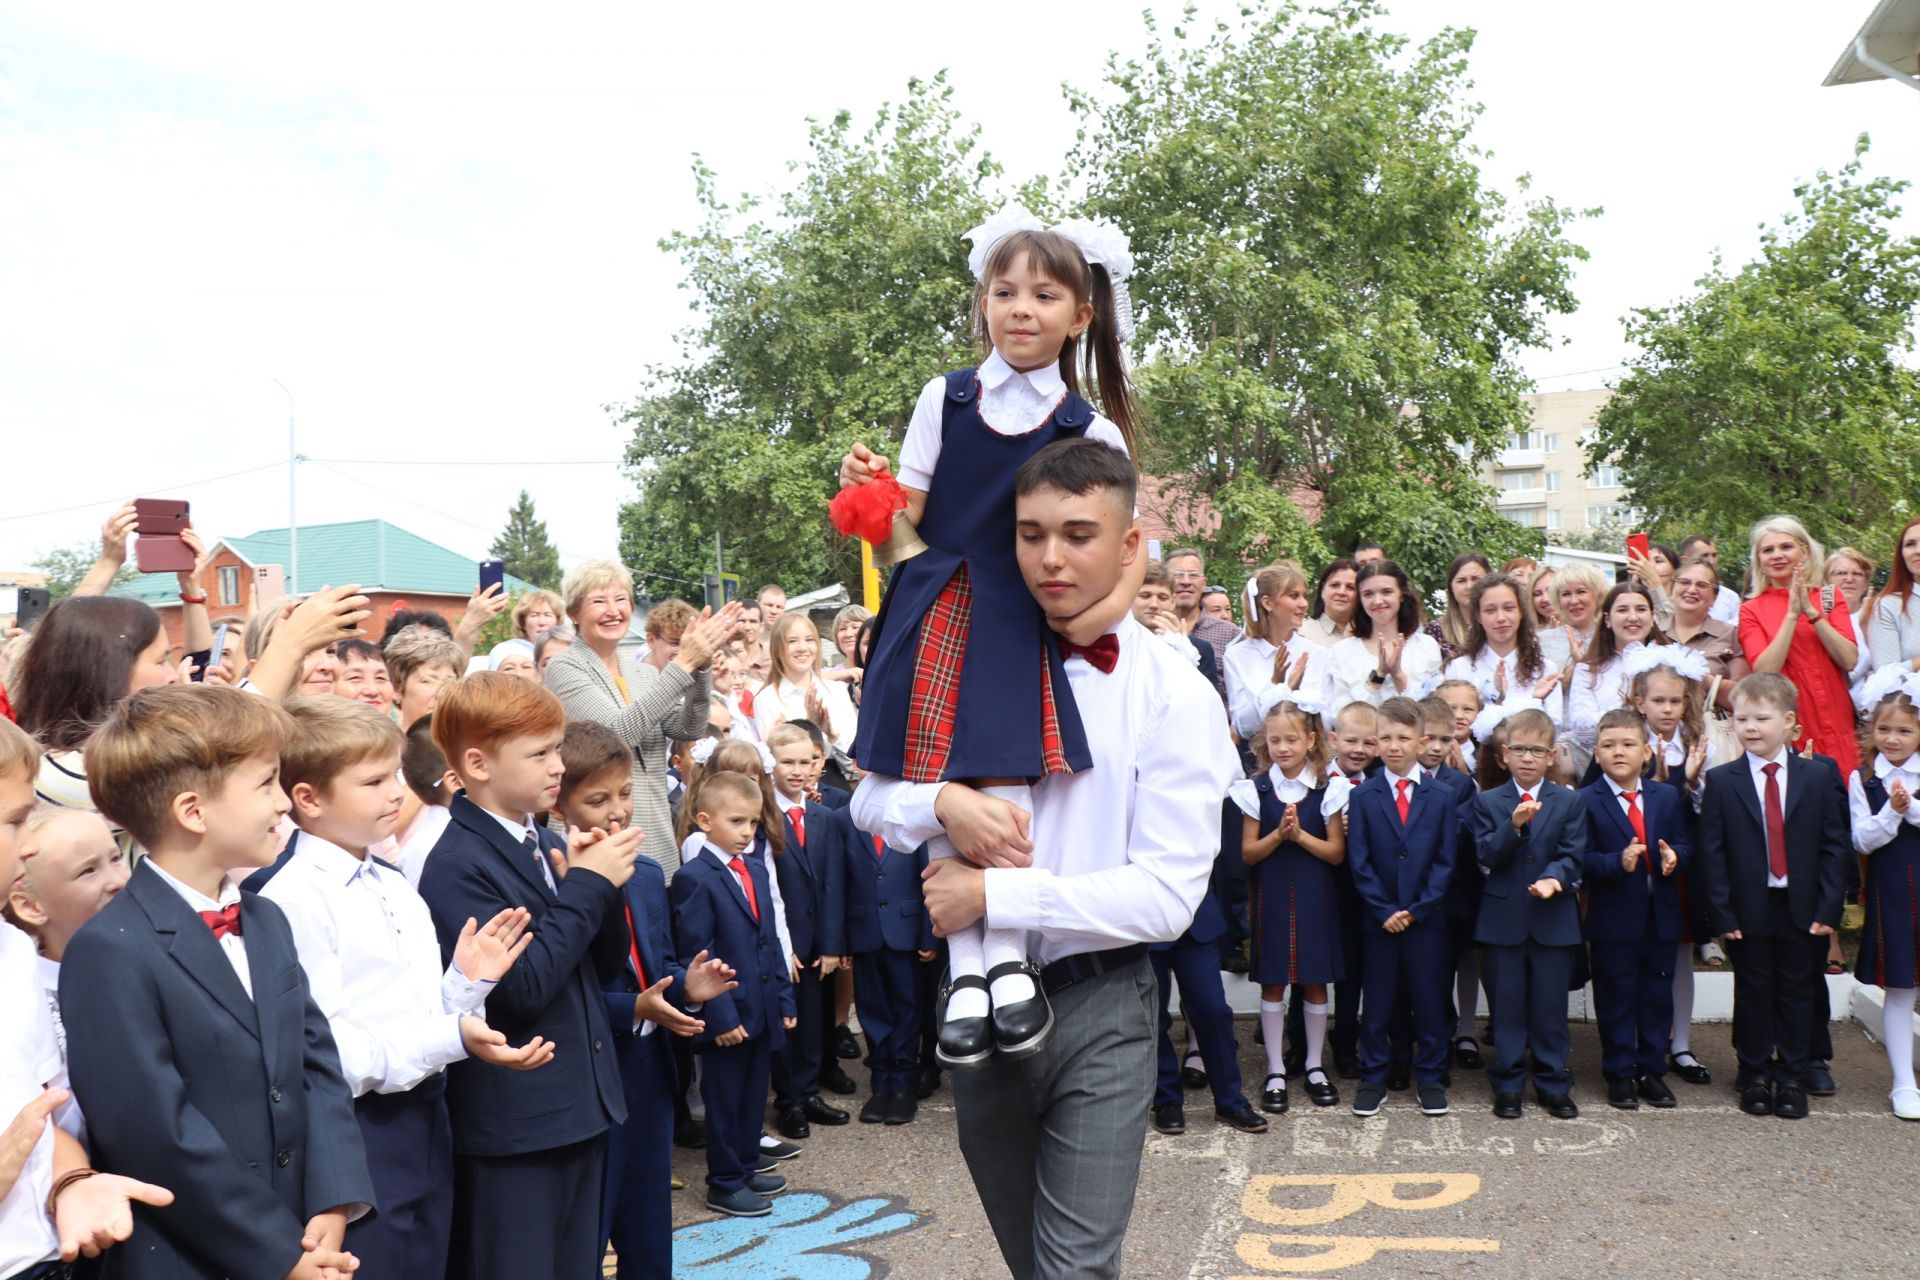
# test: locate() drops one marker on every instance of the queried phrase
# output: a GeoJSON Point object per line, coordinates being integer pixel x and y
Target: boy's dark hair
{"type": "Point", "coordinates": [1362, 547]}
{"type": "Point", "coordinates": [1079, 467]}
{"type": "Point", "coordinates": [423, 765]}
{"type": "Point", "coordinates": [414, 618]}
{"type": "Point", "coordinates": [1620, 718]}
{"type": "Point", "coordinates": [814, 732]}
{"type": "Point", "coordinates": [77, 666]}
{"type": "Point", "coordinates": [356, 650]}
{"type": "Point", "coordinates": [1403, 711]}
{"type": "Point", "coordinates": [589, 749]}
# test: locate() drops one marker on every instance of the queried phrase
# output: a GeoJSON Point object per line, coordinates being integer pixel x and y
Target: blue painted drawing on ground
{"type": "Point", "coordinates": [804, 1238]}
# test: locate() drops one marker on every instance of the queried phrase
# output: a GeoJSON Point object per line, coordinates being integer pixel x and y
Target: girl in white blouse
{"type": "Point", "coordinates": [1272, 659]}
{"type": "Point", "coordinates": [1502, 658]}
{"type": "Point", "coordinates": [1386, 656]}
{"type": "Point", "coordinates": [1600, 681]}
{"type": "Point", "coordinates": [795, 689]}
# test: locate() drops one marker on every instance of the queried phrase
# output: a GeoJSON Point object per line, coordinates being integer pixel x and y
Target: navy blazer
{"type": "Point", "coordinates": [1732, 853]}
{"type": "Point", "coordinates": [237, 1105]}
{"type": "Point", "coordinates": [1463, 889]}
{"type": "Point", "coordinates": [1403, 868]}
{"type": "Point", "coordinates": [646, 900]}
{"type": "Point", "coordinates": [884, 909]}
{"type": "Point", "coordinates": [1551, 846]}
{"type": "Point", "coordinates": [710, 913]}
{"type": "Point", "coordinates": [555, 989]}
{"type": "Point", "coordinates": [810, 884]}
{"type": "Point", "coordinates": [1620, 905]}
{"type": "Point", "coordinates": [1209, 922]}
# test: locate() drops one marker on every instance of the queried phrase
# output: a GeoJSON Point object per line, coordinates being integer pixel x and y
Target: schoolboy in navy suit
{"type": "Point", "coordinates": [198, 1057]}
{"type": "Point", "coordinates": [889, 936]}
{"type": "Point", "coordinates": [723, 906]}
{"type": "Point", "coordinates": [1636, 844]}
{"type": "Point", "coordinates": [809, 869]}
{"type": "Point", "coordinates": [646, 1007]}
{"type": "Point", "coordinates": [1437, 747]}
{"type": "Point", "coordinates": [1403, 834]}
{"type": "Point", "coordinates": [1530, 835]}
{"type": "Point", "coordinates": [1773, 855]}
{"type": "Point", "coordinates": [529, 1146]}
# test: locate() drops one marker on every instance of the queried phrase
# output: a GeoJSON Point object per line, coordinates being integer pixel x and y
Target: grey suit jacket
{"type": "Point", "coordinates": [666, 704]}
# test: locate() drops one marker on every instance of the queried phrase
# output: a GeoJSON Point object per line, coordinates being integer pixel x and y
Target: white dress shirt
{"type": "Point", "coordinates": [428, 826]}
{"type": "Point", "coordinates": [1592, 692]}
{"type": "Point", "coordinates": [777, 703]}
{"type": "Point", "coordinates": [1122, 852]}
{"type": "Point", "coordinates": [1350, 666]}
{"type": "Point", "coordinates": [696, 841]}
{"type": "Point", "coordinates": [1251, 689]}
{"type": "Point", "coordinates": [1726, 606]}
{"type": "Point", "coordinates": [1011, 404]}
{"type": "Point", "coordinates": [1876, 830]}
{"type": "Point", "coordinates": [1478, 670]}
{"type": "Point", "coordinates": [231, 945]}
{"type": "Point", "coordinates": [372, 958]}
{"type": "Point", "coordinates": [1758, 765]}
{"type": "Point", "coordinates": [522, 830]}
{"type": "Point", "coordinates": [30, 1060]}
{"type": "Point", "coordinates": [67, 1115]}
{"type": "Point", "coordinates": [1246, 797]}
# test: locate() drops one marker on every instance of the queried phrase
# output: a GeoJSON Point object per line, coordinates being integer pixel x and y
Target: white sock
{"type": "Point", "coordinates": [1896, 1028]}
{"type": "Point", "coordinates": [1273, 1021]}
{"type": "Point", "coordinates": [1315, 1018]}
{"type": "Point", "coordinates": [965, 958]}
{"type": "Point", "coordinates": [1466, 994]}
{"type": "Point", "coordinates": [1683, 1001]}
{"type": "Point", "coordinates": [1008, 946]}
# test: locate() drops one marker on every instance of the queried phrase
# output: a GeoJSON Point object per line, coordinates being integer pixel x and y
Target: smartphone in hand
{"type": "Point", "coordinates": [493, 573]}
{"type": "Point", "coordinates": [1639, 547]}
{"type": "Point", "coordinates": [158, 548]}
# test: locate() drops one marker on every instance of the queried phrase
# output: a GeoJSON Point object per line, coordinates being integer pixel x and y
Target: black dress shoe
{"type": "Point", "coordinates": [1321, 1092]}
{"type": "Point", "coordinates": [1295, 1064]}
{"type": "Point", "coordinates": [822, 1113]}
{"type": "Point", "coordinates": [1506, 1106]}
{"type": "Point", "coordinates": [1757, 1100]}
{"type": "Point", "coordinates": [1399, 1077]}
{"type": "Point", "coordinates": [1655, 1091]}
{"type": "Point", "coordinates": [1466, 1054]}
{"type": "Point", "coordinates": [903, 1108]}
{"type": "Point", "coordinates": [1192, 1077]}
{"type": "Point", "coordinates": [1274, 1101]}
{"type": "Point", "coordinates": [963, 1042]}
{"type": "Point", "coordinates": [1560, 1106]}
{"type": "Point", "coordinates": [690, 1134]}
{"type": "Point", "coordinates": [792, 1123]}
{"type": "Point", "coordinates": [844, 1045]}
{"type": "Point", "coordinates": [1692, 1072]}
{"type": "Point", "coordinates": [926, 1082]}
{"type": "Point", "coordinates": [1790, 1102]}
{"type": "Point", "coordinates": [1170, 1118]}
{"type": "Point", "coordinates": [1243, 1117]}
{"type": "Point", "coordinates": [834, 1078]}
{"type": "Point", "coordinates": [1021, 1029]}
{"type": "Point", "coordinates": [1235, 960]}
{"type": "Point", "coordinates": [1820, 1080]}
{"type": "Point", "coordinates": [1346, 1068]}
{"type": "Point", "coordinates": [1623, 1093]}
{"type": "Point", "coordinates": [875, 1112]}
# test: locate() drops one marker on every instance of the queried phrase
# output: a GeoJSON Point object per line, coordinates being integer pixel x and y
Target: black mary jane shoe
{"type": "Point", "coordinates": [1692, 1072]}
{"type": "Point", "coordinates": [1466, 1054]}
{"type": "Point", "coordinates": [1321, 1091]}
{"type": "Point", "coordinates": [1021, 1029]}
{"type": "Point", "coordinates": [1192, 1077]}
{"type": "Point", "coordinates": [1274, 1101]}
{"type": "Point", "coordinates": [963, 1042]}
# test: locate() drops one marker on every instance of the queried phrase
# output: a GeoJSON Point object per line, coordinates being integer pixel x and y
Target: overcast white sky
{"type": "Point", "coordinates": [437, 224]}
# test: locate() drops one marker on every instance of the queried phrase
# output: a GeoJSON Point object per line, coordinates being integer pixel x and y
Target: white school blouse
{"type": "Point", "coordinates": [1592, 692]}
{"type": "Point", "coordinates": [1246, 796]}
{"type": "Point", "coordinates": [1349, 665]}
{"type": "Point", "coordinates": [29, 1061]}
{"type": "Point", "coordinates": [1478, 670]}
{"type": "Point", "coordinates": [1121, 852]}
{"type": "Point", "coordinates": [1251, 689]}
{"type": "Point", "coordinates": [1011, 404]}
{"type": "Point", "coordinates": [778, 703]}
{"type": "Point", "coordinates": [1876, 830]}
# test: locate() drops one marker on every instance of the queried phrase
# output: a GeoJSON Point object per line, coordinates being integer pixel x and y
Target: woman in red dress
{"type": "Point", "coordinates": [1784, 629]}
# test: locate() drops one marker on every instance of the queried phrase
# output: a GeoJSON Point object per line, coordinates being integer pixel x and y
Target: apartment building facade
{"type": "Point", "coordinates": [1544, 478]}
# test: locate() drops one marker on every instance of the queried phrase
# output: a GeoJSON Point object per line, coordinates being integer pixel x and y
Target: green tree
{"type": "Point", "coordinates": [820, 320]}
{"type": "Point", "coordinates": [66, 566]}
{"type": "Point", "coordinates": [1332, 296]}
{"type": "Point", "coordinates": [1780, 387]}
{"type": "Point", "coordinates": [523, 547]}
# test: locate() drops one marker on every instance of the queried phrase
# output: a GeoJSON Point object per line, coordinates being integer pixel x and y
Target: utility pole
{"type": "Point", "coordinates": [293, 520]}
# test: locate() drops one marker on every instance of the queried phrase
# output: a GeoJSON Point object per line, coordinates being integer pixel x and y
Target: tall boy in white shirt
{"type": "Point", "coordinates": [1119, 858]}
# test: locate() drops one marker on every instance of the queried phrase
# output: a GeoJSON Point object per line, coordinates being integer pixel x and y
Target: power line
{"type": "Point", "coordinates": [420, 506]}
{"type": "Point", "coordinates": [97, 503]}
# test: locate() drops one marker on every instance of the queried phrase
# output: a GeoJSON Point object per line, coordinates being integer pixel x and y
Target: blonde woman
{"type": "Point", "coordinates": [845, 631]}
{"type": "Point", "coordinates": [1787, 628]}
{"type": "Point", "coordinates": [536, 613]}
{"type": "Point", "coordinates": [1578, 590]}
{"type": "Point", "coordinates": [1273, 658]}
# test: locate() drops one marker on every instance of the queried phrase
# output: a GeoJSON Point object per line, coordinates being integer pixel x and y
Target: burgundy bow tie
{"type": "Point", "coordinates": [223, 922]}
{"type": "Point", "coordinates": [1102, 653]}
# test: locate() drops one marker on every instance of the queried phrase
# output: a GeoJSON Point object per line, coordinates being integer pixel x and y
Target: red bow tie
{"type": "Point", "coordinates": [223, 922]}
{"type": "Point", "coordinates": [1102, 653]}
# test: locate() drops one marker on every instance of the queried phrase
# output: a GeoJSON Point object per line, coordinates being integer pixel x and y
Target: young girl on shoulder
{"type": "Point", "coordinates": [1294, 835]}
{"type": "Point", "coordinates": [1886, 832]}
{"type": "Point", "coordinates": [1272, 660]}
{"type": "Point", "coordinates": [967, 680]}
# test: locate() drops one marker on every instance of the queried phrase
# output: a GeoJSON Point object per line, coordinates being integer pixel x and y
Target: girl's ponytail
{"type": "Point", "coordinates": [1105, 361]}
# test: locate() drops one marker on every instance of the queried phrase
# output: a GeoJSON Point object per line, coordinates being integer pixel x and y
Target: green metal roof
{"type": "Point", "coordinates": [376, 555]}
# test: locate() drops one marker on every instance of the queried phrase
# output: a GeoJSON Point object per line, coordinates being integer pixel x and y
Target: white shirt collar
{"type": "Point", "coordinates": [1756, 763]}
{"type": "Point", "coordinates": [336, 862]}
{"type": "Point", "coordinates": [1619, 790]}
{"type": "Point", "coordinates": [788, 803]}
{"type": "Point", "coordinates": [519, 828]}
{"type": "Point", "coordinates": [994, 371]}
{"type": "Point", "coordinates": [1416, 776]}
{"type": "Point", "coordinates": [1884, 768]}
{"type": "Point", "coordinates": [1290, 790]}
{"type": "Point", "coordinates": [198, 901]}
{"type": "Point", "coordinates": [1535, 790]}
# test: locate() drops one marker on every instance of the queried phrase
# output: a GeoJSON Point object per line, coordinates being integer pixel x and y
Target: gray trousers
{"type": "Point", "coordinates": [1053, 1141]}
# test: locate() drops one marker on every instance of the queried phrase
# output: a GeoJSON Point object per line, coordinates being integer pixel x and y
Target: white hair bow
{"type": "Point", "coordinates": [1895, 677]}
{"type": "Point", "coordinates": [1102, 244]}
{"type": "Point", "coordinates": [1495, 714]}
{"type": "Point", "coordinates": [1685, 661]}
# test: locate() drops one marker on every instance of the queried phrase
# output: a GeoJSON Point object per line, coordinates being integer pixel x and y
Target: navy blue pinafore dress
{"type": "Point", "coordinates": [1890, 939]}
{"type": "Point", "coordinates": [965, 678]}
{"type": "Point", "coordinates": [1294, 902]}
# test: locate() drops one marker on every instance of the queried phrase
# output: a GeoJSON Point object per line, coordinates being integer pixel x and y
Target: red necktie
{"type": "Point", "coordinates": [879, 848]}
{"type": "Point", "coordinates": [1357, 779]}
{"type": "Point", "coordinates": [1525, 798]}
{"type": "Point", "coordinates": [1102, 654]}
{"type": "Point", "coordinates": [1776, 825]}
{"type": "Point", "coordinates": [798, 817]}
{"type": "Point", "coordinates": [223, 922]}
{"type": "Point", "coordinates": [746, 701]}
{"type": "Point", "coordinates": [739, 866]}
{"type": "Point", "coordinates": [1635, 817]}
{"type": "Point", "coordinates": [633, 949]}
{"type": "Point", "coordinates": [1400, 801]}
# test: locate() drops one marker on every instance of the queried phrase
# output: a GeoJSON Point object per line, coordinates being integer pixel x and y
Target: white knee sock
{"type": "Point", "coordinates": [1683, 1000]}
{"type": "Point", "coordinates": [1273, 1022]}
{"type": "Point", "coordinates": [965, 956]}
{"type": "Point", "coordinates": [1315, 1018]}
{"type": "Point", "coordinates": [1466, 994]}
{"type": "Point", "coordinates": [1008, 946]}
{"type": "Point", "coordinates": [1896, 1028]}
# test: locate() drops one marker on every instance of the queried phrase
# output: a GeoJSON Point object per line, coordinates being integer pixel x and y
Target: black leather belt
{"type": "Point", "coordinates": [1087, 965]}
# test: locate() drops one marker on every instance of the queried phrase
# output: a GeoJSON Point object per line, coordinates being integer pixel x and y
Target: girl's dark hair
{"type": "Point", "coordinates": [1319, 606]}
{"type": "Point", "coordinates": [1528, 664]}
{"type": "Point", "coordinates": [1601, 649]}
{"type": "Point", "coordinates": [1489, 770]}
{"type": "Point", "coordinates": [1672, 556]}
{"type": "Point", "coordinates": [1060, 259]}
{"type": "Point", "coordinates": [414, 618]}
{"type": "Point", "coordinates": [1452, 624]}
{"type": "Point", "coordinates": [77, 667]}
{"type": "Point", "coordinates": [1899, 578]}
{"type": "Point", "coordinates": [1409, 621]}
